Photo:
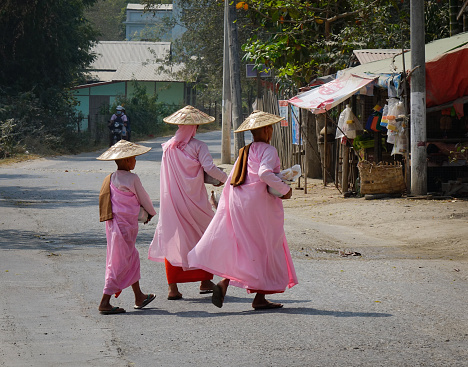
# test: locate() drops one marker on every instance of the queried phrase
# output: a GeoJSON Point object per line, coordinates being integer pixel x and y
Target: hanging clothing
{"type": "Point", "coordinates": [245, 242]}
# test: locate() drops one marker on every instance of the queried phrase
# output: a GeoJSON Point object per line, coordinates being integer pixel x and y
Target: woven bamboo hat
{"type": "Point", "coordinates": [258, 119]}
{"type": "Point", "coordinates": [188, 116]}
{"type": "Point", "coordinates": [123, 149]}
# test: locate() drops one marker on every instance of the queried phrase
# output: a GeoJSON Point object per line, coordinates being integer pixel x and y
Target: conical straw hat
{"type": "Point", "coordinates": [189, 116]}
{"type": "Point", "coordinates": [123, 149]}
{"type": "Point", "coordinates": [258, 119]}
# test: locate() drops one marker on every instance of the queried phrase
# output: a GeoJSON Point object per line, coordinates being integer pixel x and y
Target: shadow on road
{"type": "Point", "coordinates": [14, 177]}
{"type": "Point", "coordinates": [46, 198]}
{"type": "Point", "coordinates": [29, 240]}
{"type": "Point", "coordinates": [306, 311]}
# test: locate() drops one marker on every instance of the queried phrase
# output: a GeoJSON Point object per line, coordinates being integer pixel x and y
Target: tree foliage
{"type": "Point", "coordinates": [200, 49]}
{"type": "Point", "coordinates": [44, 44]}
{"type": "Point", "coordinates": [107, 17]}
{"type": "Point", "coordinates": [145, 111]}
{"type": "Point", "coordinates": [44, 48]}
{"type": "Point", "coordinates": [300, 40]}
{"type": "Point", "coordinates": [303, 40]}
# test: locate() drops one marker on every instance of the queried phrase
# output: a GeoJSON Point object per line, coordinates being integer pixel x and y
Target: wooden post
{"type": "Point", "coordinates": [299, 148]}
{"type": "Point", "coordinates": [344, 179]}
{"type": "Point", "coordinates": [325, 154]}
{"type": "Point", "coordinates": [337, 162]}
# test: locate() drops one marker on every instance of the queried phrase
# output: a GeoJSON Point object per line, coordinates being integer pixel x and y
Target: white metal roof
{"type": "Point", "coordinates": [102, 76]}
{"type": "Point", "coordinates": [141, 7]}
{"type": "Point", "coordinates": [145, 72]}
{"type": "Point", "coordinates": [369, 55]}
{"type": "Point", "coordinates": [110, 54]}
{"type": "Point", "coordinates": [386, 66]}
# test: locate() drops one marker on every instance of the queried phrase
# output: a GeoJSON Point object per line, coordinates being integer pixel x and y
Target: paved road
{"type": "Point", "coordinates": [345, 311]}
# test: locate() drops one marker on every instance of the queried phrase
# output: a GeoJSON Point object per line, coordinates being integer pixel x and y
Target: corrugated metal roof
{"type": "Point", "coordinates": [103, 76]}
{"type": "Point", "coordinates": [370, 55]}
{"type": "Point", "coordinates": [145, 72]}
{"type": "Point", "coordinates": [433, 50]}
{"type": "Point", "coordinates": [110, 54]}
{"type": "Point", "coordinates": [141, 7]}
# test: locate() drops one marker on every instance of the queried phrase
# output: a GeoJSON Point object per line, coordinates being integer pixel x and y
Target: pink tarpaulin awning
{"type": "Point", "coordinates": [331, 94]}
{"type": "Point", "coordinates": [447, 77]}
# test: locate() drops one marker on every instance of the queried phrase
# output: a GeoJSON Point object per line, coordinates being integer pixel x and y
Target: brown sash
{"type": "Point", "coordinates": [105, 204]}
{"type": "Point", "coordinates": [240, 172]}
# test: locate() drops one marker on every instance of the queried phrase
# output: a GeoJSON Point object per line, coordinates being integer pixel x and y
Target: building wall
{"type": "Point", "coordinates": [110, 89]}
{"type": "Point", "coordinates": [83, 107]}
{"type": "Point", "coordinates": [140, 25]}
{"type": "Point", "coordinates": [172, 93]}
{"type": "Point", "coordinates": [149, 86]}
{"type": "Point", "coordinates": [91, 99]}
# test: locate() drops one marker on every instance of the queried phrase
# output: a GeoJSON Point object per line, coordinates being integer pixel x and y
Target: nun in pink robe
{"type": "Point", "coordinates": [185, 210]}
{"type": "Point", "coordinates": [123, 260]}
{"type": "Point", "coordinates": [245, 242]}
{"type": "Point", "coordinates": [120, 200]}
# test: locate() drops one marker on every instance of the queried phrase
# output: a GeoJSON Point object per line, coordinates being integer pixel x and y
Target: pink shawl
{"type": "Point", "coordinates": [181, 137]}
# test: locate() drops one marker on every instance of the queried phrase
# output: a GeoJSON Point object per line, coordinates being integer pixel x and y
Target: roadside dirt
{"type": "Point", "coordinates": [397, 227]}
{"type": "Point", "coordinates": [422, 228]}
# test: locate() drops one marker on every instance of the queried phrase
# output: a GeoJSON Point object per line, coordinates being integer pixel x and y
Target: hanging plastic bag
{"type": "Point", "coordinates": [392, 124]}
{"type": "Point", "coordinates": [348, 124]}
{"type": "Point", "coordinates": [373, 123]}
{"type": "Point", "coordinates": [401, 136]}
{"type": "Point", "coordinates": [384, 121]}
{"type": "Point", "coordinates": [391, 114]}
{"type": "Point", "coordinates": [341, 124]}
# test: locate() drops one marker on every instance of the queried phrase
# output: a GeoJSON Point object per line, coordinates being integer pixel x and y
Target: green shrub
{"type": "Point", "coordinates": [46, 126]}
{"type": "Point", "coordinates": [145, 112]}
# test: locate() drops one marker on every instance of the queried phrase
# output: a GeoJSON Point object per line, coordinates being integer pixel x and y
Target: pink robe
{"type": "Point", "coordinates": [245, 241]}
{"type": "Point", "coordinates": [185, 210]}
{"type": "Point", "coordinates": [123, 260]}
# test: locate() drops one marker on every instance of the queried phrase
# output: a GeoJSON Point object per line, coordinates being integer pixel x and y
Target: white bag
{"type": "Point", "coordinates": [348, 124]}
{"type": "Point", "coordinates": [287, 175]}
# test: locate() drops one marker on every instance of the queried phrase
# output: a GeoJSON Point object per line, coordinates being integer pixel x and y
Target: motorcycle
{"type": "Point", "coordinates": [117, 130]}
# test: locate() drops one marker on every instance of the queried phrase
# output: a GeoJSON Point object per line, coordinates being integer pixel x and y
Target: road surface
{"type": "Point", "coordinates": [353, 311]}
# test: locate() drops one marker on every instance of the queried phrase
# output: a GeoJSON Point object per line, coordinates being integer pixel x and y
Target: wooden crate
{"type": "Point", "coordinates": [382, 178]}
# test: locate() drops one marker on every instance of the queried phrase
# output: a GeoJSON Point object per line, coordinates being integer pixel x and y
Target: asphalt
{"type": "Point", "coordinates": [353, 311]}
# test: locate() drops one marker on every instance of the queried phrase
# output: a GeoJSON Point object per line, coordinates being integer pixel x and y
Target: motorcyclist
{"type": "Point", "coordinates": [120, 117]}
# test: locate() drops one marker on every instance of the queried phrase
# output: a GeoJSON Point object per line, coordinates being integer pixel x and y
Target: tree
{"type": "Point", "coordinates": [44, 49]}
{"type": "Point", "coordinates": [300, 39]}
{"type": "Point", "coordinates": [107, 17]}
{"type": "Point", "coordinates": [44, 44]}
{"type": "Point", "coordinates": [200, 49]}
{"type": "Point", "coordinates": [303, 40]}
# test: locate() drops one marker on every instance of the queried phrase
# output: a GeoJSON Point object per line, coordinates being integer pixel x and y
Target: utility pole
{"type": "Point", "coordinates": [227, 111]}
{"type": "Point", "coordinates": [234, 63]}
{"type": "Point", "coordinates": [418, 100]}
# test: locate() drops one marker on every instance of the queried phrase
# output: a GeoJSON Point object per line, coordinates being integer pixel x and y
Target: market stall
{"type": "Point", "coordinates": [368, 107]}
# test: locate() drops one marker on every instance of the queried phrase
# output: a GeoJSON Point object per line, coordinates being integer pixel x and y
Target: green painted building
{"type": "Point", "coordinates": [118, 65]}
